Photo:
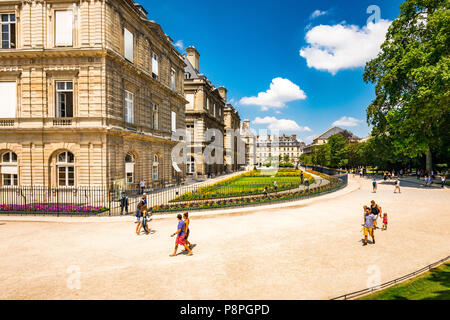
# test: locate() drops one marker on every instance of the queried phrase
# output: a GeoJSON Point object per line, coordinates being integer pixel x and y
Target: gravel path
{"type": "Point", "coordinates": [310, 249]}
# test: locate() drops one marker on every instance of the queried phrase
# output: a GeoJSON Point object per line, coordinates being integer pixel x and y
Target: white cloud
{"type": "Point", "coordinates": [284, 125]}
{"type": "Point", "coordinates": [179, 44]}
{"type": "Point", "coordinates": [338, 47]}
{"type": "Point", "coordinates": [281, 92]}
{"type": "Point", "coordinates": [317, 14]}
{"type": "Point", "coordinates": [347, 122]}
{"type": "Point", "coordinates": [309, 139]}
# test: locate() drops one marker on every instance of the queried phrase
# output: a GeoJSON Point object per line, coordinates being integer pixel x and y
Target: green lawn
{"type": "Point", "coordinates": [250, 183]}
{"type": "Point", "coordinates": [433, 285]}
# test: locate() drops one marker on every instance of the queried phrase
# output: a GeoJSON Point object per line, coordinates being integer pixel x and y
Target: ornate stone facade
{"type": "Point", "coordinates": [98, 92]}
{"type": "Point", "coordinates": [204, 111]}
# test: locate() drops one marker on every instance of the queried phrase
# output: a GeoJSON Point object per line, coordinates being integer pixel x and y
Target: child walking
{"type": "Point", "coordinates": [385, 221]}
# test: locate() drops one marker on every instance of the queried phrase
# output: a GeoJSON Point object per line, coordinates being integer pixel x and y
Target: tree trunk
{"type": "Point", "coordinates": [429, 163]}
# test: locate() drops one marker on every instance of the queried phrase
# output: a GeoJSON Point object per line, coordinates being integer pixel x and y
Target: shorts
{"type": "Point", "coordinates": [368, 231]}
{"type": "Point", "coordinates": [180, 240]}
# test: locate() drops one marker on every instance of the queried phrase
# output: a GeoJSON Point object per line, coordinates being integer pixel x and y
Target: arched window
{"type": "Point", "coordinates": [155, 168]}
{"type": "Point", "coordinates": [190, 165]}
{"type": "Point", "coordinates": [66, 169]}
{"type": "Point", "coordinates": [8, 167]}
{"type": "Point", "coordinates": [129, 168]}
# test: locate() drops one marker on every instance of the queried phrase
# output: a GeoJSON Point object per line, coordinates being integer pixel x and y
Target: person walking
{"type": "Point", "coordinates": [187, 223]}
{"type": "Point", "coordinates": [443, 180]}
{"type": "Point", "coordinates": [141, 207]}
{"type": "Point", "coordinates": [385, 221]}
{"type": "Point", "coordinates": [142, 186]}
{"type": "Point", "coordinates": [368, 227]}
{"type": "Point", "coordinates": [301, 177]}
{"type": "Point", "coordinates": [375, 209]}
{"type": "Point", "coordinates": [374, 185]}
{"type": "Point", "coordinates": [265, 193]}
{"type": "Point", "coordinates": [275, 186]}
{"type": "Point", "coordinates": [124, 203]}
{"type": "Point", "coordinates": [144, 223]}
{"type": "Point", "coordinates": [180, 240]}
{"type": "Point", "coordinates": [397, 186]}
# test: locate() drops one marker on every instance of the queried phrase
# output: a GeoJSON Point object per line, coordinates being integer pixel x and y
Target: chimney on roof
{"type": "Point", "coordinates": [193, 56]}
{"type": "Point", "coordinates": [294, 136]}
{"type": "Point", "coordinates": [223, 93]}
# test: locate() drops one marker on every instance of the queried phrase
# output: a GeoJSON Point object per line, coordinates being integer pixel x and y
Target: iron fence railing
{"type": "Point", "coordinates": [104, 201]}
{"type": "Point", "coordinates": [373, 289]}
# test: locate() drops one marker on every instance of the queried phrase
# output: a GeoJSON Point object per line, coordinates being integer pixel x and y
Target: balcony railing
{"type": "Point", "coordinates": [7, 123]}
{"type": "Point", "coordinates": [62, 122]}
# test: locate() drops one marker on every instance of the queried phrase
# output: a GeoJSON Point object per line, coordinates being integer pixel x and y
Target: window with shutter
{"type": "Point", "coordinates": [155, 67]}
{"type": "Point", "coordinates": [63, 28]}
{"type": "Point", "coordinates": [8, 96]}
{"type": "Point", "coordinates": [174, 121]}
{"type": "Point", "coordinates": [129, 44]}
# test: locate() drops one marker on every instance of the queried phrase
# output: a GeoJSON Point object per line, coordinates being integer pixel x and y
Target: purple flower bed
{"type": "Point", "coordinates": [51, 208]}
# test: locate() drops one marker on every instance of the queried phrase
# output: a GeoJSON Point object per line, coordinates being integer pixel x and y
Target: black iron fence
{"type": "Point", "coordinates": [162, 197]}
{"type": "Point", "coordinates": [45, 200]}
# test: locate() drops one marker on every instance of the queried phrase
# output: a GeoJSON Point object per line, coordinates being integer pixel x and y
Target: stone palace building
{"type": "Point", "coordinates": [91, 92]}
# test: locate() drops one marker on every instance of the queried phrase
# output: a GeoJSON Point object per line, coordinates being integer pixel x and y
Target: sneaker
{"type": "Point", "coordinates": [373, 241]}
{"type": "Point", "coordinates": [364, 244]}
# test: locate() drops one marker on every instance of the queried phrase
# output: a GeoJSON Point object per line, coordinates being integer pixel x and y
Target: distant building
{"type": "Point", "coordinates": [273, 148]}
{"type": "Point", "coordinates": [325, 136]}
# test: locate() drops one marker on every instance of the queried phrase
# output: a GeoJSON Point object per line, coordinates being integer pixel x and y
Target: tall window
{"type": "Point", "coordinates": [129, 44]}
{"type": "Point", "coordinates": [214, 110]}
{"type": "Point", "coordinates": [155, 68]}
{"type": "Point", "coordinates": [129, 168]}
{"type": "Point", "coordinates": [190, 165]}
{"type": "Point", "coordinates": [190, 99]}
{"type": "Point", "coordinates": [64, 28]}
{"type": "Point", "coordinates": [207, 104]}
{"type": "Point", "coordinates": [155, 168]}
{"type": "Point", "coordinates": [8, 98]}
{"type": "Point", "coordinates": [190, 132]}
{"type": "Point", "coordinates": [155, 116]}
{"type": "Point", "coordinates": [64, 99]}
{"type": "Point", "coordinates": [129, 107]}
{"type": "Point", "coordinates": [172, 78]}
{"type": "Point", "coordinates": [66, 170]}
{"type": "Point", "coordinates": [8, 31]}
{"type": "Point", "coordinates": [174, 121]}
{"type": "Point", "coordinates": [8, 168]}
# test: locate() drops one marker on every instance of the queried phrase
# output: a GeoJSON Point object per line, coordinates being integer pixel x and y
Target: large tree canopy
{"type": "Point", "coordinates": [411, 73]}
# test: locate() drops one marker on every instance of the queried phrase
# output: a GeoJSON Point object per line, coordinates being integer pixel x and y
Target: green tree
{"type": "Point", "coordinates": [321, 155]}
{"type": "Point", "coordinates": [337, 146]}
{"type": "Point", "coordinates": [411, 73]}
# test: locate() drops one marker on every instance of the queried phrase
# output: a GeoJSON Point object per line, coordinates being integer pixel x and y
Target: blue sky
{"type": "Point", "coordinates": [248, 45]}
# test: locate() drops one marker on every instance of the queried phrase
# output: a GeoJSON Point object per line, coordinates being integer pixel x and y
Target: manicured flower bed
{"type": "Point", "coordinates": [335, 183]}
{"type": "Point", "coordinates": [51, 209]}
{"type": "Point", "coordinates": [248, 184]}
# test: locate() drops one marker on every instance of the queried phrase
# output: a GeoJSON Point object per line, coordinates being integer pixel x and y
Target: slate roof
{"type": "Point", "coordinates": [332, 131]}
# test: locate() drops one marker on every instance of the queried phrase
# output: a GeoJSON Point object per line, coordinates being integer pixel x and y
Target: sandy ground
{"type": "Point", "coordinates": [309, 250]}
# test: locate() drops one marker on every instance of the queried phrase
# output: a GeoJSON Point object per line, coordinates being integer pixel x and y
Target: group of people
{"type": "Point", "coordinates": [371, 215]}
{"type": "Point", "coordinates": [396, 188]}
{"type": "Point", "coordinates": [143, 216]}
